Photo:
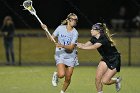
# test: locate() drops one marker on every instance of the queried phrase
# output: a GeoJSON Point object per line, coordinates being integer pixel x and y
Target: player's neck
{"type": "Point", "coordinates": [97, 35]}
{"type": "Point", "coordinates": [69, 28]}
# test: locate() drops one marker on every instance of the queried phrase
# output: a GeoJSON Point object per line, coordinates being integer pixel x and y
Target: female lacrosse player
{"type": "Point", "coordinates": [65, 53]}
{"type": "Point", "coordinates": [110, 62]}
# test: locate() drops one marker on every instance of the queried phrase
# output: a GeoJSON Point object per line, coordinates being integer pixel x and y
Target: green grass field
{"type": "Point", "coordinates": [37, 79]}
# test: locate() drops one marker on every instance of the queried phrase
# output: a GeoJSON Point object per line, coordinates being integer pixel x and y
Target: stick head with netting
{"type": "Point", "coordinates": [28, 6]}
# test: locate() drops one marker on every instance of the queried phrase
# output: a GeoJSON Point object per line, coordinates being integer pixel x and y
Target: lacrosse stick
{"type": "Point", "coordinates": [28, 6]}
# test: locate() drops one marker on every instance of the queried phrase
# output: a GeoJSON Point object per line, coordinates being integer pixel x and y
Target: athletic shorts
{"type": "Point", "coordinates": [69, 59]}
{"type": "Point", "coordinates": [113, 61]}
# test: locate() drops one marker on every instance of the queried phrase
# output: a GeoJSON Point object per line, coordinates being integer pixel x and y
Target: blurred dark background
{"type": "Point", "coordinates": [52, 12]}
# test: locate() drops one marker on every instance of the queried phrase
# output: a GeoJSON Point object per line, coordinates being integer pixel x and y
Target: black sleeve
{"type": "Point", "coordinates": [92, 40]}
{"type": "Point", "coordinates": [103, 41]}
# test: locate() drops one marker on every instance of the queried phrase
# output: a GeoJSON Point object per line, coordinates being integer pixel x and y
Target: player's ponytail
{"type": "Point", "coordinates": [107, 33]}
{"type": "Point", "coordinates": [64, 22]}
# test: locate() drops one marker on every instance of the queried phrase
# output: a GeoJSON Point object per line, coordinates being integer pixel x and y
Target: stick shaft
{"type": "Point", "coordinates": [38, 19]}
{"type": "Point", "coordinates": [45, 28]}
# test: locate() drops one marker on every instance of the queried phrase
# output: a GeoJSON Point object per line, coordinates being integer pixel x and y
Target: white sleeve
{"type": "Point", "coordinates": [74, 39]}
{"type": "Point", "coordinates": [56, 32]}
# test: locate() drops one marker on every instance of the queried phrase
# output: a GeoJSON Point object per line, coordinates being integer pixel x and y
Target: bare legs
{"type": "Point", "coordinates": [65, 71]}
{"type": "Point", "coordinates": [103, 76]}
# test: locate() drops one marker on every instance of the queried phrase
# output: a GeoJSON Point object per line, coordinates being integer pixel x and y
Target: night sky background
{"type": "Point", "coordinates": [52, 12]}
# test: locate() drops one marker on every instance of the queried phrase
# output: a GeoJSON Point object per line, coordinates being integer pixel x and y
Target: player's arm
{"type": "Point", "coordinates": [94, 46]}
{"type": "Point", "coordinates": [88, 43]}
{"type": "Point", "coordinates": [67, 47]}
{"type": "Point", "coordinates": [45, 27]}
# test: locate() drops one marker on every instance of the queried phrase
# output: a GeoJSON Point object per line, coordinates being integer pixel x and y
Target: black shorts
{"type": "Point", "coordinates": [113, 61]}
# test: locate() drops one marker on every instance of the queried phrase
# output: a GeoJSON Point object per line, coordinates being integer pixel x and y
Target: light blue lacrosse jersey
{"type": "Point", "coordinates": [66, 38]}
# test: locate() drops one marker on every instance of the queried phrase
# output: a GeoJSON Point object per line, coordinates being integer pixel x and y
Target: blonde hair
{"type": "Point", "coordinates": [68, 17]}
{"type": "Point", "coordinates": [108, 35]}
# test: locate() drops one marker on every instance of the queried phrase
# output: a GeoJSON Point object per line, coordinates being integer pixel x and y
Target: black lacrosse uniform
{"type": "Point", "coordinates": [109, 53]}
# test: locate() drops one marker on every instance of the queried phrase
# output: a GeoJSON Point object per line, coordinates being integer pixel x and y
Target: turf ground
{"type": "Point", "coordinates": [37, 79]}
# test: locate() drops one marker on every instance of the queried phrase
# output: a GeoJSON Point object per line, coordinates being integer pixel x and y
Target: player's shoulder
{"type": "Point", "coordinates": [62, 26]}
{"type": "Point", "coordinates": [102, 36]}
{"type": "Point", "coordinates": [75, 30]}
